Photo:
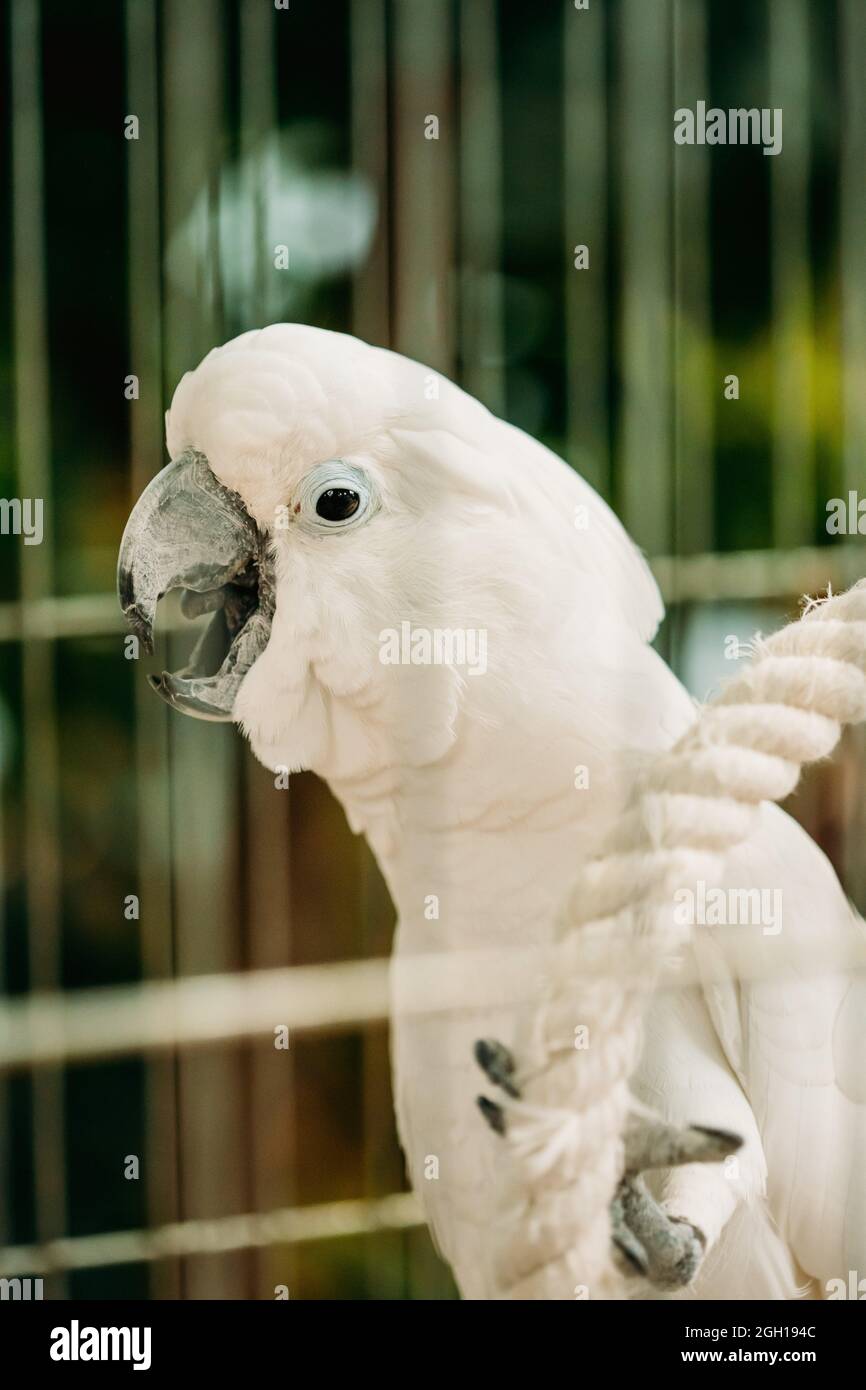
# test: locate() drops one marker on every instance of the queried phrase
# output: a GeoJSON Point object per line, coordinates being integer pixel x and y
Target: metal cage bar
{"type": "Point", "coordinates": [153, 849]}
{"type": "Point", "coordinates": [40, 716]}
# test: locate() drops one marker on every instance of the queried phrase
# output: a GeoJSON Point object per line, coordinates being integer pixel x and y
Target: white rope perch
{"type": "Point", "coordinates": [694, 804]}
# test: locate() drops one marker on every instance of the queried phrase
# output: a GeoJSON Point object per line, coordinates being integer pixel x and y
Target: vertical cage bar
{"type": "Point", "coordinates": [153, 847]}
{"type": "Point", "coordinates": [6, 1230]}
{"type": "Point", "coordinates": [384, 1262]}
{"type": "Point", "coordinates": [646, 145]}
{"type": "Point", "coordinates": [41, 751]}
{"type": "Point", "coordinates": [852, 45]}
{"type": "Point", "coordinates": [204, 757]}
{"type": "Point", "coordinates": [423, 207]}
{"type": "Point", "coordinates": [272, 1108]}
{"type": "Point", "coordinates": [424, 219]}
{"type": "Point", "coordinates": [585, 208]}
{"type": "Point", "coordinates": [268, 920]}
{"type": "Point", "coordinates": [258, 130]}
{"type": "Point", "coordinates": [694, 529]}
{"type": "Point", "coordinates": [852, 49]}
{"type": "Point", "coordinates": [793, 458]}
{"type": "Point", "coordinates": [371, 298]}
{"type": "Point", "coordinates": [482, 327]}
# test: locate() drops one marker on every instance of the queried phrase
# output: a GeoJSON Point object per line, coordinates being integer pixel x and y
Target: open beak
{"type": "Point", "coordinates": [187, 531]}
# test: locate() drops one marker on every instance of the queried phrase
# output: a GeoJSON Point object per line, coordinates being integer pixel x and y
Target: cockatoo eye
{"type": "Point", "coordinates": [333, 496]}
{"type": "Point", "coordinates": [337, 503]}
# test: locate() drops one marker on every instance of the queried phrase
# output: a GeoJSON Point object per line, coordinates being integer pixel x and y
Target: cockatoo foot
{"type": "Point", "coordinates": [664, 1249]}
{"type": "Point", "coordinates": [667, 1250]}
{"type": "Point", "coordinates": [672, 1247]}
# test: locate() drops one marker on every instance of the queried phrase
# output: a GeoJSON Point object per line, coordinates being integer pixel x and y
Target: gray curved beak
{"type": "Point", "coordinates": [187, 531]}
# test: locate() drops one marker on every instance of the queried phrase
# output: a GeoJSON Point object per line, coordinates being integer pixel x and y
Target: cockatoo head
{"type": "Point", "coordinates": [372, 543]}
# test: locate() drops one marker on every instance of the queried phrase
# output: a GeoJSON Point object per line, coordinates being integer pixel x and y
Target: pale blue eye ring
{"type": "Point", "coordinates": [334, 496]}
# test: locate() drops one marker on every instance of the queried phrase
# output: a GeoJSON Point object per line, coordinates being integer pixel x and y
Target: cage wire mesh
{"type": "Point", "coordinates": [131, 250]}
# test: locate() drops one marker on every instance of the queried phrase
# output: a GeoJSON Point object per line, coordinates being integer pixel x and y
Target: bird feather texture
{"type": "Point", "coordinates": [465, 787]}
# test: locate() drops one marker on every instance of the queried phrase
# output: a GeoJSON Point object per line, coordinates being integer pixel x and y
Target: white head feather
{"type": "Point", "coordinates": [478, 527]}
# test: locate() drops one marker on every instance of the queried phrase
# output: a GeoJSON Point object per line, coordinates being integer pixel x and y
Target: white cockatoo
{"type": "Point", "coordinates": [435, 614]}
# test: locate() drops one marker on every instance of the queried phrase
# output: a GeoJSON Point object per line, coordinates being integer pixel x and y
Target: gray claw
{"type": "Point", "coordinates": [497, 1063]}
{"type": "Point", "coordinates": [493, 1114]}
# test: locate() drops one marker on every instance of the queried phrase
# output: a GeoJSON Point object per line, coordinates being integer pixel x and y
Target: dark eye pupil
{"type": "Point", "coordinates": [337, 503]}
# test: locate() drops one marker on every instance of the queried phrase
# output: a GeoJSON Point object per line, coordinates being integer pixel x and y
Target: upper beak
{"type": "Point", "coordinates": [185, 531]}
{"type": "Point", "coordinates": [189, 532]}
